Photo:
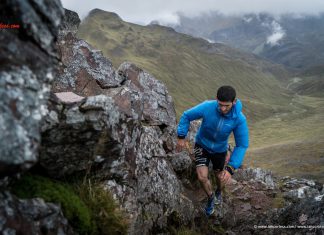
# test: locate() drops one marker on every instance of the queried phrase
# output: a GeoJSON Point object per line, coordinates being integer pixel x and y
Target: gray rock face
{"type": "Point", "coordinates": [32, 216]}
{"type": "Point", "coordinates": [22, 107]}
{"type": "Point", "coordinates": [86, 134]}
{"type": "Point", "coordinates": [296, 189]}
{"type": "Point", "coordinates": [256, 174]}
{"type": "Point", "coordinates": [158, 105]}
{"type": "Point", "coordinates": [30, 16]}
{"type": "Point", "coordinates": [95, 134]}
{"type": "Point", "coordinates": [181, 162]}
{"type": "Point", "coordinates": [27, 59]}
{"type": "Point", "coordinates": [120, 128]}
{"type": "Point", "coordinates": [70, 22]}
{"type": "Point", "coordinates": [84, 70]}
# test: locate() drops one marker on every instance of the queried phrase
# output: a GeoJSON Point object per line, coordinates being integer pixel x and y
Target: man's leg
{"type": "Point", "coordinates": [219, 160]}
{"type": "Point", "coordinates": [202, 173]}
{"type": "Point", "coordinates": [220, 184]}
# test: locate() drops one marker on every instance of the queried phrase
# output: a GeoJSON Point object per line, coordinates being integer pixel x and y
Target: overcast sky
{"type": "Point", "coordinates": [144, 11]}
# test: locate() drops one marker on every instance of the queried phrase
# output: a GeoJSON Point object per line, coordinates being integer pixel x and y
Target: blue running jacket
{"type": "Point", "coordinates": [216, 128]}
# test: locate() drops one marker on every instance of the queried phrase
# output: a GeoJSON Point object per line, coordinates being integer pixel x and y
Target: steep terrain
{"type": "Point", "coordinates": [117, 128]}
{"type": "Point", "coordinates": [191, 68]}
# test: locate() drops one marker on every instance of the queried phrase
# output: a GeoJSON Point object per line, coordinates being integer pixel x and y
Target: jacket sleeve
{"type": "Point", "coordinates": [189, 115]}
{"type": "Point", "coordinates": [241, 136]}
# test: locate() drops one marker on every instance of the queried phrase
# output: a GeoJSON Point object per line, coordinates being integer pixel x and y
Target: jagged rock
{"type": "Point", "coordinates": [158, 105]}
{"type": "Point", "coordinates": [84, 71]}
{"type": "Point", "coordinates": [194, 126]}
{"type": "Point", "coordinates": [291, 183]}
{"type": "Point", "coordinates": [70, 23]}
{"type": "Point", "coordinates": [295, 189]}
{"type": "Point", "coordinates": [258, 174]}
{"type": "Point", "coordinates": [302, 192]}
{"type": "Point", "coordinates": [31, 216]}
{"type": "Point", "coordinates": [85, 133]}
{"type": "Point", "coordinates": [27, 58]}
{"type": "Point", "coordinates": [181, 162]}
{"type": "Point", "coordinates": [38, 23]}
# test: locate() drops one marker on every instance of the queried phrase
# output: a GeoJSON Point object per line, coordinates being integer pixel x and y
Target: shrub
{"type": "Point", "coordinates": [109, 219]}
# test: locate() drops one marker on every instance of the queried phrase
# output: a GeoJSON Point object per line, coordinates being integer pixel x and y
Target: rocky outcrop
{"type": "Point", "coordinates": [27, 63]}
{"type": "Point", "coordinates": [256, 203]}
{"type": "Point", "coordinates": [119, 125]}
{"type": "Point", "coordinates": [122, 137]}
{"type": "Point", "coordinates": [83, 69]}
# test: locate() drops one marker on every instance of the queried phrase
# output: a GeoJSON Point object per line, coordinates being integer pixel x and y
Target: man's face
{"type": "Point", "coordinates": [224, 107]}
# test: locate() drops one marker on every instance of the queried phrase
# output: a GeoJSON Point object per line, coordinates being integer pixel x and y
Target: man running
{"type": "Point", "coordinates": [219, 117]}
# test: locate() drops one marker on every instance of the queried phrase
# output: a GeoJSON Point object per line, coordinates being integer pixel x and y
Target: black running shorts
{"type": "Point", "coordinates": [203, 157]}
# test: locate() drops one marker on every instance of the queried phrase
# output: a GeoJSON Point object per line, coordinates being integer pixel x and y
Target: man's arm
{"type": "Point", "coordinates": [189, 115]}
{"type": "Point", "coordinates": [241, 136]}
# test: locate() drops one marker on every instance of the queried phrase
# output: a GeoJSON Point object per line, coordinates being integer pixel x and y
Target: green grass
{"type": "Point", "coordinates": [291, 143]}
{"type": "Point", "coordinates": [106, 215]}
{"type": "Point", "coordinates": [88, 207]}
{"type": "Point", "coordinates": [184, 231]}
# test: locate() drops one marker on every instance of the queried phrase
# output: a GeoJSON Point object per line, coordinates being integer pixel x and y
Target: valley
{"type": "Point", "coordinates": [285, 120]}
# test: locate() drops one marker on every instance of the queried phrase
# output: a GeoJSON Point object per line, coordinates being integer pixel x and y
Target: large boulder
{"type": "Point", "coordinates": [27, 60]}
{"type": "Point", "coordinates": [27, 63]}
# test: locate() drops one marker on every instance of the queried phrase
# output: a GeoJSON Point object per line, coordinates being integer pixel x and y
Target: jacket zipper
{"type": "Point", "coordinates": [220, 124]}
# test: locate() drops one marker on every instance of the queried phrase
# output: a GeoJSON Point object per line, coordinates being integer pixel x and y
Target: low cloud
{"type": "Point", "coordinates": [277, 34]}
{"type": "Point", "coordinates": [143, 12]}
{"type": "Point", "coordinates": [168, 18]}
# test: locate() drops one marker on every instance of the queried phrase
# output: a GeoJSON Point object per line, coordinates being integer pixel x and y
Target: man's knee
{"type": "Point", "coordinates": [202, 178]}
{"type": "Point", "coordinates": [202, 173]}
{"type": "Point", "coordinates": [219, 175]}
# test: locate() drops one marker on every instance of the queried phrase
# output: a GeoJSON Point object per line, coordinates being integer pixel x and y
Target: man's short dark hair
{"type": "Point", "coordinates": [226, 94]}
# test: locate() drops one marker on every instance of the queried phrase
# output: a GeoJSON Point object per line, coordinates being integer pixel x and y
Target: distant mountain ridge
{"type": "Point", "coordinates": [294, 41]}
{"type": "Point", "coordinates": [191, 67]}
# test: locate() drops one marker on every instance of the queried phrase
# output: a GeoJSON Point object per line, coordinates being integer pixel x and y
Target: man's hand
{"type": "Point", "coordinates": [228, 157]}
{"type": "Point", "coordinates": [181, 145]}
{"type": "Point", "coordinates": [225, 177]}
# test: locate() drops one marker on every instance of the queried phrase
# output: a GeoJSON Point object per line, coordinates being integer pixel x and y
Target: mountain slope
{"type": "Point", "coordinates": [279, 120]}
{"type": "Point", "coordinates": [191, 68]}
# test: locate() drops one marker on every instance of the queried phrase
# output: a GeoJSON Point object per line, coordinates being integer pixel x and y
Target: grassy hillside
{"type": "Point", "coordinates": [285, 131]}
{"type": "Point", "coordinates": [291, 143]}
{"type": "Point", "coordinates": [191, 68]}
{"type": "Point", "coordinates": [309, 82]}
